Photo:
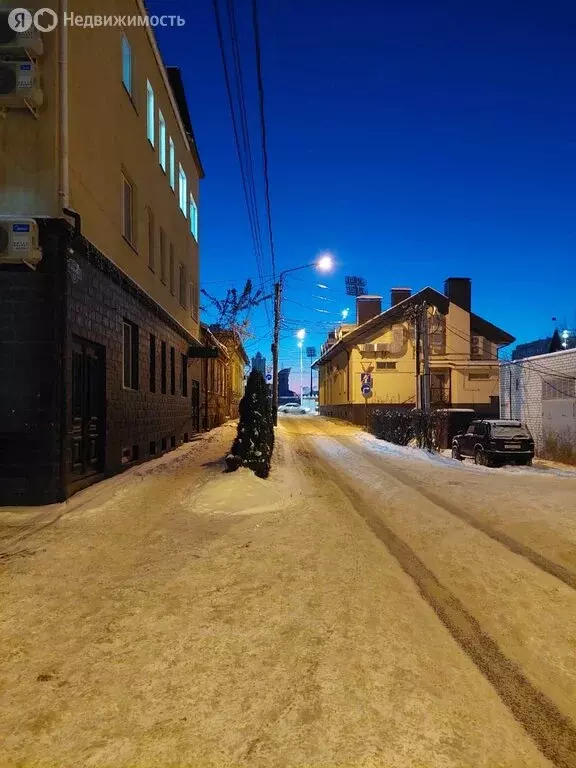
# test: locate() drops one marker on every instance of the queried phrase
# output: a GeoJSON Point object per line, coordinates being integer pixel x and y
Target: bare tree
{"type": "Point", "coordinates": [233, 310]}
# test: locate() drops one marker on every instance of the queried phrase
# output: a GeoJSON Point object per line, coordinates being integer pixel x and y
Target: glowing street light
{"type": "Point", "coordinates": [301, 335]}
{"type": "Point", "coordinates": [345, 313]}
{"type": "Point", "coordinates": [324, 263]}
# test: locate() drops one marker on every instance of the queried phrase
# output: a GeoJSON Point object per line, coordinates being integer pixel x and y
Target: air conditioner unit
{"type": "Point", "coordinates": [20, 85]}
{"type": "Point", "coordinates": [19, 242]}
{"type": "Point", "coordinates": [14, 42]}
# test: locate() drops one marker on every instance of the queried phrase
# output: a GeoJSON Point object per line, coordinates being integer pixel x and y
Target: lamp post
{"type": "Point", "coordinates": [300, 335]}
{"type": "Point", "coordinates": [324, 263]}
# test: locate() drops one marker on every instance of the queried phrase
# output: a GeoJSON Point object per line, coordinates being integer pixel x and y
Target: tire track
{"type": "Point", "coordinates": [560, 572]}
{"type": "Point", "coordinates": [554, 734]}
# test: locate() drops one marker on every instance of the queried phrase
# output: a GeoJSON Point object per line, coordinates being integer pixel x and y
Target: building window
{"type": "Point", "coordinates": [162, 256]}
{"type": "Point", "coordinates": [172, 276]}
{"type": "Point", "coordinates": [437, 333]}
{"type": "Point", "coordinates": [150, 113]}
{"type": "Point", "coordinates": [163, 368]}
{"type": "Point", "coordinates": [126, 64]}
{"type": "Point", "coordinates": [184, 380]}
{"type": "Point", "coordinates": [152, 363]}
{"type": "Point", "coordinates": [385, 366]}
{"type": "Point", "coordinates": [172, 163]}
{"type": "Point", "coordinates": [194, 299]}
{"type": "Point", "coordinates": [151, 240]}
{"type": "Point", "coordinates": [182, 189]}
{"type": "Point", "coordinates": [172, 371]}
{"type": "Point", "coordinates": [162, 141]}
{"type": "Point", "coordinates": [193, 218]}
{"type": "Point", "coordinates": [130, 355]}
{"type": "Point", "coordinates": [182, 285]}
{"type": "Point", "coordinates": [128, 228]}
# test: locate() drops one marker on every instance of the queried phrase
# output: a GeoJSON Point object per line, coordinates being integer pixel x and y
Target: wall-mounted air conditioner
{"type": "Point", "coordinates": [19, 241]}
{"type": "Point", "coordinates": [19, 85]}
{"type": "Point", "coordinates": [18, 43]}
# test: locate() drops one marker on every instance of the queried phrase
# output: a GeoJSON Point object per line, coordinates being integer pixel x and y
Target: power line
{"type": "Point", "coordinates": [247, 187]}
{"type": "Point", "coordinates": [260, 82]}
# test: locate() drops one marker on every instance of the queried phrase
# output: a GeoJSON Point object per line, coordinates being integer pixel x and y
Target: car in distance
{"type": "Point", "coordinates": [292, 408]}
{"type": "Point", "coordinates": [493, 442]}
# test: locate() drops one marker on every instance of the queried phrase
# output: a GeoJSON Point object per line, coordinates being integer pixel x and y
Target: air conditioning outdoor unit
{"type": "Point", "coordinates": [19, 85]}
{"type": "Point", "coordinates": [19, 242]}
{"type": "Point", "coordinates": [14, 42]}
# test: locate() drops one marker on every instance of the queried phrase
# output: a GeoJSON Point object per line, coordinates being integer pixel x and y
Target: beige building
{"type": "Point", "coordinates": [380, 349]}
{"type": "Point", "coordinates": [98, 160]}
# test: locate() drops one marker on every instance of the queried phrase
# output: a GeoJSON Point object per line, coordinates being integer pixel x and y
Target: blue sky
{"type": "Point", "coordinates": [417, 139]}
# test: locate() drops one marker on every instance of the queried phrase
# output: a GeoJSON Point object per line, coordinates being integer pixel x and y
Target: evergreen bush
{"type": "Point", "coordinates": [254, 442]}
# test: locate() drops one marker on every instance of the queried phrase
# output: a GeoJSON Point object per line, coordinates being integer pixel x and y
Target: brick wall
{"type": "Point", "coordinates": [76, 292]}
{"type": "Point", "coordinates": [99, 302]}
{"type": "Point", "coordinates": [521, 387]}
{"type": "Point", "coordinates": [30, 378]}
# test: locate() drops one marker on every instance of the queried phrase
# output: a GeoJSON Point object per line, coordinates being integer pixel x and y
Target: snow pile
{"type": "Point", "coordinates": [240, 493]}
{"type": "Point", "coordinates": [377, 445]}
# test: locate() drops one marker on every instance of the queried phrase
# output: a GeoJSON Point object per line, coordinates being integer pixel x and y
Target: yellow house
{"type": "Point", "coordinates": [100, 171]}
{"type": "Point", "coordinates": [379, 350]}
{"type": "Point", "coordinates": [236, 368]}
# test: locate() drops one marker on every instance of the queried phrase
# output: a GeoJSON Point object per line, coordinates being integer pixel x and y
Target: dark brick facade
{"type": "Point", "coordinates": [77, 294]}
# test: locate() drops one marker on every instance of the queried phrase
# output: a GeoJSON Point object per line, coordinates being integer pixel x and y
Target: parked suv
{"type": "Point", "coordinates": [492, 442]}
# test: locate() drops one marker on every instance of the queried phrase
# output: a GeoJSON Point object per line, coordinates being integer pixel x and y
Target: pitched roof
{"type": "Point", "coordinates": [226, 335]}
{"type": "Point", "coordinates": [478, 326]}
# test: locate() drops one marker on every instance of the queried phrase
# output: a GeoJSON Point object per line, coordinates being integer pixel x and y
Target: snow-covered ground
{"type": "Point", "coordinates": [367, 605]}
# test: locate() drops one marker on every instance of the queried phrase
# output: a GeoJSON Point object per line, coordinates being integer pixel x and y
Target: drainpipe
{"type": "Point", "coordinates": [64, 186]}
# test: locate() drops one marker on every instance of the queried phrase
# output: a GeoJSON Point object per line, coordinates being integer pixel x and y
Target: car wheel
{"type": "Point", "coordinates": [527, 463]}
{"type": "Point", "coordinates": [456, 453]}
{"type": "Point", "coordinates": [480, 458]}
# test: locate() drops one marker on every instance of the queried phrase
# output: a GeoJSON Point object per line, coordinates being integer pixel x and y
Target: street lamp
{"type": "Point", "coordinates": [324, 263]}
{"type": "Point", "coordinates": [300, 335]}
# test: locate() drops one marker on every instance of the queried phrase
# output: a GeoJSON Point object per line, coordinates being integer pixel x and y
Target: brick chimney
{"type": "Point", "coordinates": [459, 291]}
{"type": "Point", "coordinates": [367, 307]}
{"type": "Point", "coordinates": [399, 294]}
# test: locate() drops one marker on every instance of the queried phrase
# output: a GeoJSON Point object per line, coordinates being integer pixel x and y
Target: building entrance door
{"type": "Point", "coordinates": [88, 404]}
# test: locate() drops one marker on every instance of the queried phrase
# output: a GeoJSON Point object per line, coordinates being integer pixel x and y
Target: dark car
{"type": "Point", "coordinates": [491, 442]}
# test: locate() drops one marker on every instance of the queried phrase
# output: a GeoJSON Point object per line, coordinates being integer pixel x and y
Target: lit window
{"type": "Point", "coordinates": [150, 113]}
{"type": "Point", "coordinates": [182, 189]}
{"type": "Point", "coordinates": [193, 217]}
{"type": "Point", "coordinates": [127, 210]}
{"type": "Point", "coordinates": [126, 64]}
{"type": "Point", "coordinates": [172, 161]}
{"type": "Point", "coordinates": [162, 140]}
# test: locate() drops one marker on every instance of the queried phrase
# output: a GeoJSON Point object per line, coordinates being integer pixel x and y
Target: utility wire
{"type": "Point", "coordinates": [263, 132]}
{"type": "Point", "coordinates": [251, 211]}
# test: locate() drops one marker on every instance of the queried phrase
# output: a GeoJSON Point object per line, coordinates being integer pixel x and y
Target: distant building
{"type": "Point", "coordinates": [285, 394]}
{"type": "Point", "coordinates": [259, 363]}
{"type": "Point", "coordinates": [542, 346]}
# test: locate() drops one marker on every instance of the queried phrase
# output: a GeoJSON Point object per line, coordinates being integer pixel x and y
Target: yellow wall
{"type": "Point", "coordinates": [107, 135]}
{"type": "Point", "coordinates": [29, 146]}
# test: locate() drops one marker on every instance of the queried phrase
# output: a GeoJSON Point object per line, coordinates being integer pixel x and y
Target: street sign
{"type": "Point", "coordinates": [268, 377]}
{"type": "Point", "coordinates": [366, 380]}
{"type": "Point", "coordinates": [366, 391]}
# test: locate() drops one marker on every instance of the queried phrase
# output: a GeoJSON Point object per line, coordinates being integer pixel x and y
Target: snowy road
{"type": "Point", "coordinates": [366, 606]}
